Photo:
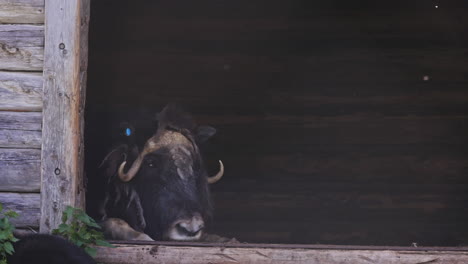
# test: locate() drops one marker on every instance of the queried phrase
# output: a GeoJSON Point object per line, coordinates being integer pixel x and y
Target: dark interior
{"type": "Point", "coordinates": [339, 122]}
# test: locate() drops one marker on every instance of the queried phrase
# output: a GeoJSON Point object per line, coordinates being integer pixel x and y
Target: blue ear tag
{"type": "Point", "coordinates": [128, 132]}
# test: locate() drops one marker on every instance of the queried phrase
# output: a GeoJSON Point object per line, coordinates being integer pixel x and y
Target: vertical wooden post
{"type": "Point", "coordinates": [65, 65]}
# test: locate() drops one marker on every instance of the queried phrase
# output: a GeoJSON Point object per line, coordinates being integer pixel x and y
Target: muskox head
{"type": "Point", "coordinates": [170, 178]}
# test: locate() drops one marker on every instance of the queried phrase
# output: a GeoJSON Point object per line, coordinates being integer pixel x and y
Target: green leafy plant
{"type": "Point", "coordinates": [81, 229]}
{"type": "Point", "coordinates": [6, 234]}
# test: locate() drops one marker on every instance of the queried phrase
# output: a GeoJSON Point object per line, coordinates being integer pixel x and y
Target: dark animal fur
{"type": "Point", "coordinates": [121, 200]}
{"type": "Point", "coordinates": [48, 249]}
{"type": "Point", "coordinates": [164, 197]}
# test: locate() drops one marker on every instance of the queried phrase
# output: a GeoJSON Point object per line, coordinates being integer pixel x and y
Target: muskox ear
{"type": "Point", "coordinates": [203, 133]}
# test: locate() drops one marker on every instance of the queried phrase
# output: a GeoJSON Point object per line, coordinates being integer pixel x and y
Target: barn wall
{"type": "Point", "coordinates": [328, 128]}
{"type": "Point", "coordinates": [21, 62]}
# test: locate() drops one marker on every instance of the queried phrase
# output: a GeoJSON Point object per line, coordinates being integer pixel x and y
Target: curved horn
{"type": "Point", "coordinates": [150, 146]}
{"type": "Point", "coordinates": [125, 177]}
{"type": "Point", "coordinates": [218, 175]}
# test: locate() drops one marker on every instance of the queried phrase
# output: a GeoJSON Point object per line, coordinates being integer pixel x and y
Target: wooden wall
{"type": "Point", "coordinates": [21, 62]}
{"type": "Point", "coordinates": [329, 130]}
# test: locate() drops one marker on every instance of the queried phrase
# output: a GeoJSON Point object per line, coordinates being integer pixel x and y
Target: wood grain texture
{"type": "Point", "coordinates": [20, 139]}
{"type": "Point", "coordinates": [184, 254]}
{"type": "Point", "coordinates": [20, 91]}
{"type": "Point", "coordinates": [30, 121]}
{"type": "Point", "coordinates": [360, 167]}
{"type": "Point", "coordinates": [64, 96]}
{"type": "Point", "coordinates": [21, 47]}
{"type": "Point", "coordinates": [20, 170]}
{"type": "Point", "coordinates": [21, 59]}
{"type": "Point", "coordinates": [22, 35]}
{"type": "Point", "coordinates": [27, 205]}
{"type": "Point", "coordinates": [22, 11]}
{"type": "Point", "coordinates": [20, 129]}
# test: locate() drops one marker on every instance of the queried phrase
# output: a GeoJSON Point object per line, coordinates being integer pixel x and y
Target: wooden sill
{"type": "Point", "coordinates": [192, 252]}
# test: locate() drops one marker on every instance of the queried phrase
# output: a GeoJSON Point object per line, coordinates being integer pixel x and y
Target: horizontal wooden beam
{"type": "Point", "coordinates": [20, 129]}
{"type": "Point", "coordinates": [20, 139]}
{"type": "Point", "coordinates": [268, 255]}
{"type": "Point", "coordinates": [20, 91]}
{"type": "Point", "coordinates": [30, 121]}
{"type": "Point", "coordinates": [22, 11]}
{"type": "Point", "coordinates": [22, 35]}
{"type": "Point", "coordinates": [21, 47]}
{"type": "Point", "coordinates": [20, 170]}
{"type": "Point", "coordinates": [172, 62]}
{"type": "Point", "coordinates": [27, 205]}
{"type": "Point", "coordinates": [414, 166]}
{"type": "Point", "coordinates": [366, 131]}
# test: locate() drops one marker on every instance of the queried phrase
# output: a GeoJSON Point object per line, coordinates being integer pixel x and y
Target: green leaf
{"type": "Point", "coordinates": [63, 228]}
{"type": "Point", "coordinates": [67, 213]}
{"type": "Point", "coordinates": [11, 214]}
{"type": "Point", "coordinates": [94, 224]}
{"type": "Point", "coordinates": [79, 243]}
{"type": "Point", "coordinates": [3, 222]}
{"type": "Point", "coordinates": [104, 243]}
{"type": "Point", "coordinates": [81, 230]}
{"type": "Point", "coordinates": [84, 218]}
{"type": "Point", "coordinates": [8, 248]}
{"type": "Point", "coordinates": [91, 251]}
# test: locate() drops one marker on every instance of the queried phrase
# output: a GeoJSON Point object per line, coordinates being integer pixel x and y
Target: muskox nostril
{"type": "Point", "coordinates": [189, 229]}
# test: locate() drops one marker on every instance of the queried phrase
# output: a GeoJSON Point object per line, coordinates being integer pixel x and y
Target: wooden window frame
{"type": "Point", "coordinates": [62, 175]}
{"type": "Point", "coordinates": [65, 67]}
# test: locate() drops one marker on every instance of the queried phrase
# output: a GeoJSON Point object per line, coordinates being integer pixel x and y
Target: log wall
{"type": "Point", "coordinates": [21, 63]}
{"type": "Point", "coordinates": [338, 123]}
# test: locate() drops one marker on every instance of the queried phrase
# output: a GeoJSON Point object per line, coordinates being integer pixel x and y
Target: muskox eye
{"type": "Point", "coordinates": [150, 162]}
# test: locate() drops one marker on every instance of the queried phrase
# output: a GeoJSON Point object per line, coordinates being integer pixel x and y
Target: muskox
{"type": "Point", "coordinates": [162, 189]}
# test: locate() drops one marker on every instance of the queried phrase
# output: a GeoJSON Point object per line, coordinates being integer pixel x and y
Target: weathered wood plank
{"type": "Point", "coordinates": [20, 91]}
{"type": "Point", "coordinates": [20, 139]}
{"type": "Point", "coordinates": [27, 205]}
{"type": "Point", "coordinates": [22, 232]}
{"type": "Point", "coordinates": [64, 95]}
{"type": "Point", "coordinates": [21, 120]}
{"type": "Point", "coordinates": [21, 59]}
{"type": "Point", "coordinates": [22, 11]}
{"type": "Point", "coordinates": [185, 254]}
{"type": "Point", "coordinates": [20, 170]}
{"type": "Point", "coordinates": [21, 47]}
{"type": "Point", "coordinates": [22, 35]}
{"type": "Point", "coordinates": [20, 129]}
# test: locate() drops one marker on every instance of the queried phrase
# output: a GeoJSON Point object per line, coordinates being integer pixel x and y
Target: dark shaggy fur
{"type": "Point", "coordinates": [48, 249]}
{"type": "Point", "coordinates": [157, 190]}
{"type": "Point", "coordinates": [164, 196]}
